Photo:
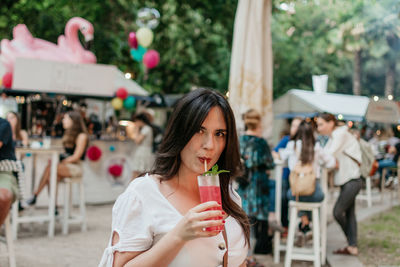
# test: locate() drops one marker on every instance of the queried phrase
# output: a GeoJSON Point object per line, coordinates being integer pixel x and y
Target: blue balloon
{"type": "Point", "coordinates": [28, 155]}
{"type": "Point", "coordinates": [112, 148]}
{"type": "Point", "coordinates": [129, 102]}
{"type": "Point", "coordinates": [137, 54]}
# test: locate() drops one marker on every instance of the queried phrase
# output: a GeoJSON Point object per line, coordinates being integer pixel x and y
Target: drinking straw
{"type": "Point", "coordinates": [205, 166]}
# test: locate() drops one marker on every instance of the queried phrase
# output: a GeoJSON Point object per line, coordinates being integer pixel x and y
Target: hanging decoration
{"type": "Point", "coordinates": [147, 20]}
{"type": "Point", "coordinates": [94, 153]}
{"type": "Point", "coordinates": [7, 80]}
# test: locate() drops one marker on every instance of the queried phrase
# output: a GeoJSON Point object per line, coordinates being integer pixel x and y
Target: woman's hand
{"type": "Point", "coordinates": [194, 223]}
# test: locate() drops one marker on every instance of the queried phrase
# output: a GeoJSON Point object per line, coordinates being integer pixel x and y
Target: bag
{"type": "Point", "coordinates": [367, 159]}
{"type": "Point", "coordinates": [302, 180]}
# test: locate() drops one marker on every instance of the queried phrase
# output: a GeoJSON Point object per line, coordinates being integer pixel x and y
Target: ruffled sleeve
{"type": "Point", "coordinates": [132, 224]}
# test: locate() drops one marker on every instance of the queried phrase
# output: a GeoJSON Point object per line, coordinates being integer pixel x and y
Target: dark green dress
{"type": "Point", "coordinates": [257, 158]}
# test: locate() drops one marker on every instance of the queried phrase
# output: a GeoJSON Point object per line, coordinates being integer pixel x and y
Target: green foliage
{"type": "Point", "coordinates": [214, 171]}
{"type": "Point", "coordinates": [322, 36]}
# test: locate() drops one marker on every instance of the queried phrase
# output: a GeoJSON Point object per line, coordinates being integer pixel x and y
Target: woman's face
{"type": "Point", "coordinates": [67, 122]}
{"type": "Point", "coordinates": [294, 126]}
{"type": "Point", "coordinates": [12, 119]}
{"type": "Point", "coordinates": [325, 127]}
{"type": "Point", "coordinates": [205, 145]}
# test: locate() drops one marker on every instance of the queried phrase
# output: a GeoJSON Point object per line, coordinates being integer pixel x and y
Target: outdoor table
{"type": "Point", "coordinates": [54, 152]}
{"type": "Point", "coordinates": [278, 247]}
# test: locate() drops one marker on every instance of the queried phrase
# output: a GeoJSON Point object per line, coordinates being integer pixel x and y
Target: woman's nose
{"type": "Point", "coordinates": [208, 141]}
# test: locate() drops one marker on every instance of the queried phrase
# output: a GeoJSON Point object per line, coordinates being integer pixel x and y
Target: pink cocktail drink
{"type": "Point", "coordinates": [210, 191]}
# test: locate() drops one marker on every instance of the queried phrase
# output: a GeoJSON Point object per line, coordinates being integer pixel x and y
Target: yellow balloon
{"type": "Point", "coordinates": [117, 103]}
{"type": "Point", "coordinates": [144, 36]}
{"type": "Point", "coordinates": [1, 82]}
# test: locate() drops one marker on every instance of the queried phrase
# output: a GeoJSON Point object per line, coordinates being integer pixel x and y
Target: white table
{"type": "Point", "coordinates": [278, 247]}
{"type": "Point", "coordinates": [54, 152]}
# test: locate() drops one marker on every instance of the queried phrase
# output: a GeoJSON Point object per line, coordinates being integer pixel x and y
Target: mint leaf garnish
{"type": "Point", "coordinates": [214, 171]}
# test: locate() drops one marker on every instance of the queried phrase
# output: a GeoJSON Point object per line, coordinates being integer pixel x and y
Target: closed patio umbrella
{"type": "Point", "coordinates": [250, 81]}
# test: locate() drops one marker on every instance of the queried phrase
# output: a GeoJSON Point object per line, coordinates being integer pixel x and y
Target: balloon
{"type": "Point", "coordinates": [7, 80]}
{"type": "Point", "coordinates": [137, 54]}
{"type": "Point", "coordinates": [28, 154]}
{"type": "Point", "coordinates": [144, 36]}
{"type": "Point", "coordinates": [148, 17]}
{"type": "Point", "coordinates": [151, 59]}
{"type": "Point", "coordinates": [112, 148]}
{"type": "Point", "coordinates": [117, 103]}
{"type": "Point", "coordinates": [132, 40]}
{"type": "Point", "coordinates": [129, 102]}
{"type": "Point", "coordinates": [115, 170]}
{"type": "Point", "coordinates": [94, 153]}
{"type": "Point", "coordinates": [1, 81]}
{"type": "Point", "coordinates": [122, 93]}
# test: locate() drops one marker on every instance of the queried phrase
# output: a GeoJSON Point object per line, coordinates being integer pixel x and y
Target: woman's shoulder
{"type": "Point", "coordinates": [136, 190]}
{"type": "Point", "coordinates": [141, 184]}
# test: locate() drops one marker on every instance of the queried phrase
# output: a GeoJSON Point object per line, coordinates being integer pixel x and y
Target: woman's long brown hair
{"type": "Point", "coordinates": [305, 133]}
{"type": "Point", "coordinates": [78, 126]}
{"type": "Point", "coordinates": [18, 126]}
{"type": "Point", "coordinates": [186, 120]}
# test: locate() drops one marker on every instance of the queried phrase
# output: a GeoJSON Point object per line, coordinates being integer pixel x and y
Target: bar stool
{"type": "Point", "coordinates": [10, 243]}
{"type": "Point", "coordinates": [68, 217]}
{"type": "Point", "coordinates": [313, 254]}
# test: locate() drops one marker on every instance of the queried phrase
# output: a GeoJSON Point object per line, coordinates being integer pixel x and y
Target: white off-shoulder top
{"type": "Point", "coordinates": [142, 216]}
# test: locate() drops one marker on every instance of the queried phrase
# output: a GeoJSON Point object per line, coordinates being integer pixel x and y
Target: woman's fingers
{"type": "Point", "coordinates": [209, 214]}
{"type": "Point", "coordinates": [210, 223]}
{"type": "Point", "coordinates": [206, 205]}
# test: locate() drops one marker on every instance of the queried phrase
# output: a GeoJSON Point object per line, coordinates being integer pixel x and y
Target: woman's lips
{"type": "Point", "coordinates": [202, 159]}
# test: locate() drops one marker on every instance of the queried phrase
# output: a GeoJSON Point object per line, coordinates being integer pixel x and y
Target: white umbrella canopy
{"type": "Point", "coordinates": [250, 81]}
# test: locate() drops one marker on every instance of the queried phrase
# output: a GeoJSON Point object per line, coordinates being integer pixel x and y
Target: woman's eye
{"type": "Point", "coordinates": [220, 134]}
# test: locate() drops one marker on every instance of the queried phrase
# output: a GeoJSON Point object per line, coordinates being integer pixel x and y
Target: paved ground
{"type": "Point", "coordinates": [35, 249]}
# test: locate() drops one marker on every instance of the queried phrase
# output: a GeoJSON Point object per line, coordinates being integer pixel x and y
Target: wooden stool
{"type": "Point", "coordinates": [303, 253]}
{"type": "Point", "coordinates": [67, 216]}
{"type": "Point", "coordinates": [9, 242]}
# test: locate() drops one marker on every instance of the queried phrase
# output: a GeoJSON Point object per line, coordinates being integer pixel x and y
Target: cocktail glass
{"type": "Point", "coordinates": [210, 191]}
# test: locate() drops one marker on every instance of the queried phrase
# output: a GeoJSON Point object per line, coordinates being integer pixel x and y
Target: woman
{"type": "Point", "coordinates": [75, 141]}
{"type": "Point", "coordinates": [158, 220]}
{"type": "Point", "coordinates": [20, 137]}
{"type": "Point", "coordinates": [344, 147]}
{"type": "Point", "coordinates": [304, 148]}
{"type": "Point", "coordinates": [141, 132]}
{"type": "Point", "coordinates": [257, 158]}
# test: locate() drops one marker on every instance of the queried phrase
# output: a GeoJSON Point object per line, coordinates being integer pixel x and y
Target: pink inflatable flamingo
{"type": "Point", "coordinates": [69, 49]}
{"type": "Point", "coordinates": [71, 44]}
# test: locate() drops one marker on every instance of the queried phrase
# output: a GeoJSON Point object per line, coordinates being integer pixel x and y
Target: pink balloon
{"type": "Point", "coordinates": [132, 40]}
{"type": "Point", "coordinates": [151, 59]}
{"type": "Point", "coordinates": [122, 93]}
{"type": "Point", "coordinates": [7, 80]}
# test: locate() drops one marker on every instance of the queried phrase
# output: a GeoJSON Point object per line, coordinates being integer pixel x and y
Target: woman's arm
{"type": "Point", "coordinates": [135, 134]}
{"type": "Point", "coordinates": [165, 250]}
{"type": "Point", "coordinates": [81, 142]}
{"type": "Point", "coordinates": [25, 139]}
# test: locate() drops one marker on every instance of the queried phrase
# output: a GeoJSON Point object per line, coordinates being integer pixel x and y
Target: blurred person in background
{"type": "Point", "coordinates": [254, 192]}
{"type": "Point", "coordinates": [8, 182]}
{"type": "Point", "coordinates": [294, 125]}
{"type": "Point", "coordinates": [75, 142]}
{"type": "Point", "coordinates": [141, 132]}
{"type": "Point", "coordinates": [20, 136]}
{"type": "Point", "coordinates": [344, 147]}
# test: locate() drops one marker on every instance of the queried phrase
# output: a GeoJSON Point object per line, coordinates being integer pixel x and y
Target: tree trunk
{"type": "Point", "coordinates": [357, 73]}
{"type": "Point", "coordinates": [390, 78]}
